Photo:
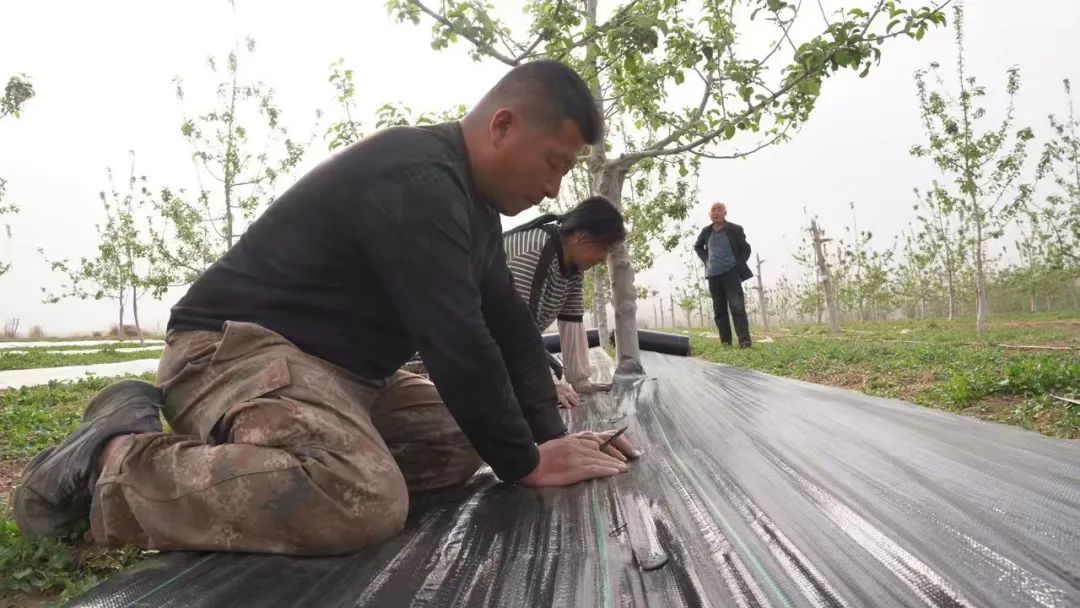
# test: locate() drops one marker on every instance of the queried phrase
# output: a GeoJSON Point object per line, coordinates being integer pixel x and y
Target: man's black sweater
{"type": "Point", "coordinates": [384, 250]}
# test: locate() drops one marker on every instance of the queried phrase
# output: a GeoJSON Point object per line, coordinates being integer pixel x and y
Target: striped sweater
{"type": "Point", "coordinates": [561, 296]}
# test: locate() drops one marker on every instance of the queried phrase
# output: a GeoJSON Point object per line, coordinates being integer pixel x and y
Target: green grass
{"type": "Point", "coordinates": [39, 357]}
{"type": "Point", "coordinates": [32, 419]}
{"type": "Point", "coordinates": [36, 417]}
{"type": "Point", "coordinates": [88, 345]}
{"type": "Point", "coordinates": [936, 364]}
{"type": "Point", "coordinates": [130, 340]}
{"type": "Point", "coordinates": [50, 568]}
{"type": "Point", "coordinates": [1011, 330]}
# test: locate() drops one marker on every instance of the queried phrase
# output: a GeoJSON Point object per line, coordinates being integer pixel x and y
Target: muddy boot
{"type": "Point", "coordinates": [54, 494]}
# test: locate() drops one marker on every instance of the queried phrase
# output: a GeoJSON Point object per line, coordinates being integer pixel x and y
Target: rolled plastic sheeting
{"type": "Point", "coordinates": [668, 344]}
{"type": "Point", "coordinates": [552, 344]}
{"type": "Point", "coordinates": [654, 341]}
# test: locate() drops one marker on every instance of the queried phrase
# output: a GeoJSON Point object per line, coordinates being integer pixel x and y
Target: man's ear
{"type": "Point", "coordinates": [499, 128]}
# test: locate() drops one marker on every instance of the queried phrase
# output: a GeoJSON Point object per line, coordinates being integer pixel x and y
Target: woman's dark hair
{"type": "Point", "coordinates": [596, 217]}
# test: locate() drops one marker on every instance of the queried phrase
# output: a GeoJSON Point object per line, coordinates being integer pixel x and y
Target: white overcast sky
{"type": "Point", "coordinates": [102, 72]}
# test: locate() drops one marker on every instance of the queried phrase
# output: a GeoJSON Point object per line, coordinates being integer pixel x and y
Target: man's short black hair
{"type": "Point", "coordinates": [552, 92]}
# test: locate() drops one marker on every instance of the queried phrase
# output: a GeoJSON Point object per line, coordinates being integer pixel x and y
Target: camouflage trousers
{"type": "Point", "coordinates": [274, 450]}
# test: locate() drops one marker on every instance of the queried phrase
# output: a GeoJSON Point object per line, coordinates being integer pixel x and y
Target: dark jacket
{"type": "Point", "coordinates": [739, 246]}
{"type": "Point", "coordinates": [384, 250]}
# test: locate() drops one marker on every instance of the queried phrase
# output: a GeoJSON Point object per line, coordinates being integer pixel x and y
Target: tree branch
{"type": "Point", "coordinates": [527, 52]}
{"type": "Point", "coordinates": [828, 24]}
{"type": "Point", "coordinates": [783, 28]}
{"type": "Point", "coordinates": [780, 42]}
{"type": "Point", "coordinates": [707, 137]}
{"type": "Point", "coordinates": [677, 133]}
{"type": "Point", "coordinates": [482, 46]}
{"type": "Point", "coordinates": [600, 29]}
{"type": "Point", "coordinates": [762, 146]}
{"type": "Point", "coordinates": [507, 42]}
{"type": "Point", "coordinates": [174, 261]}
{"type": "Point", "coordinates": [874, 15]}
{"type": "Point", "coordinates": [532, 47]}
{"type": "Point", "coordinates": [657, 150]}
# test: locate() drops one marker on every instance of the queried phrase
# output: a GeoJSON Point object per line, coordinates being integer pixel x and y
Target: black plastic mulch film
{"type": "Point", "coordinates": [754, 491]}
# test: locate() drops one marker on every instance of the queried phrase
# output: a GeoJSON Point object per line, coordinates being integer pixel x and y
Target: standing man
{"type": "Point", "coordinates": [292, 429]}
{"type": "Point", "coordinates": [723, 249]}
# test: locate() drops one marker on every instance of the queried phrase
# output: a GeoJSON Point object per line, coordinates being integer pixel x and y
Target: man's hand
{"type": "Point", "coordinates": [568, 397]}
{"type": "Point", "coordinates": [588, 387]}
{"type": "Point", "coordinates": [568, 460]}
{"type": "Point", "coordinates": [620, 448]}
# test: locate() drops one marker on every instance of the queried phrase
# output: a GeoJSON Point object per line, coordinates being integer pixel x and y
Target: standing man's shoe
{"type": "Point", "coordinates": [57, 486]}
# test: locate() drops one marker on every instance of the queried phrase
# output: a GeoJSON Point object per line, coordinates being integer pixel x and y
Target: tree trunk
{"type": "Point", "coordinates": [600, 303]}
{"type": "Point", "coordinates": [980, 284]}
{"type": "Point", "coordinates": [230, 154]}
{"type": "Point", "coordinates": [655, 317]}
{"type": "Point", "coordinates": [135, 311]}
{"type": "Point", "coordinates": [952, 292]}
{"type": "Point", "coordinates": [818, 310]}
{"type": "Point", "coordinates": [607, 179]}
{"type": "Point", "coordinates": [663, 321]}
{"type": "Point", "coordinates": [671, 303]}
{"type": "Point", "coordinates": [761, 295]}
{"type": "Point", "coordinates": [826, 279]}
{"type": "Point", "coordinates": [120, 333]}
{"type": "Point", "coordinates": [623, 294]}
{"type": "Point", "coordinates": [1031, 302]}
{"type": "Point", "coordinates": [952, 299]}
{"type": "Point", "coordinates": [700, 294]}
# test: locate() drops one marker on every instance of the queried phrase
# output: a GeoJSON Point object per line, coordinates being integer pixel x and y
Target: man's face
{"type": "Point", "coordinates": [718, 213]}
{"type": "Point", "coordinates": [529, 161]}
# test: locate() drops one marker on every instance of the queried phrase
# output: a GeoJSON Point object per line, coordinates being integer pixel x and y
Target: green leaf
{"type": "Point", "coordinates": [729, 131]}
